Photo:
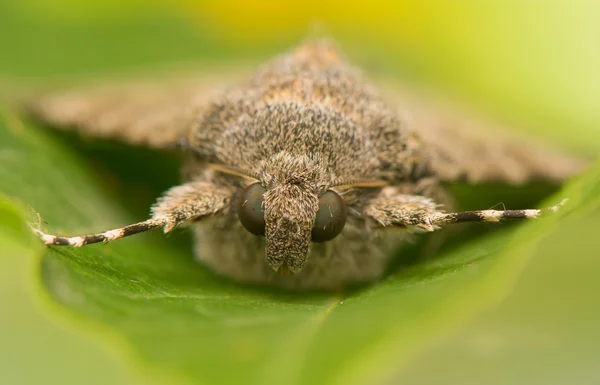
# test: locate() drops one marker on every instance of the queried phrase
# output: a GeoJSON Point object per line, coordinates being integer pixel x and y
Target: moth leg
{"type": "Point", "coordinates": [179, 205]}
{"type": "Point", "coordinates": [402, 210]}
{"type": "Point", "coordinates": [421, 212]}
{"type": "Point", "coordinates": [442, 219]}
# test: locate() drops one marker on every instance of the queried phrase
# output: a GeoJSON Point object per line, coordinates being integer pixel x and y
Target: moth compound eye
{"type": "Point", "coordinates": [331, 217]}
{"type": "Point", "coordinates": [250, 209]}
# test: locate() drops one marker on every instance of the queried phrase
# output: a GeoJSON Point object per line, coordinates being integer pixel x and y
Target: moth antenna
{"type": "Point", "coordinates": [360, 183]}
{"type": "Point", "coordinates": [443, 219]}
{"type": "Point", "coordinates": [106, 236]}
{"type": "Point", "coordinates": [233, 171]}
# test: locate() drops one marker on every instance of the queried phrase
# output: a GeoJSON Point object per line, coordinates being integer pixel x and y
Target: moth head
{"type": "Point", "coordinates": [290, 219]}
{"type": "Point", "coordinates": [291, 208]}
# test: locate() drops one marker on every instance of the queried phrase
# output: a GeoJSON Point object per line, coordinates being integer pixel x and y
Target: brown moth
{"type": "Point", "coordinates": [301, 176]}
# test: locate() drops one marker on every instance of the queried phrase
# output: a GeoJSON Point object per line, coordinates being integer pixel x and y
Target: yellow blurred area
{"type": "Point", "coordinates": [259, 20]}
{"type": "Point", "coordinates": [535, 56]}
{"type": "Point", "coordinates": [533, 62]}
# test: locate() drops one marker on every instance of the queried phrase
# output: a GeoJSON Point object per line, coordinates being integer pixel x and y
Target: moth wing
{"type": "Point", "coordinates": [153, 114]}
{"type": "Point", "coordinates": [461, 145]}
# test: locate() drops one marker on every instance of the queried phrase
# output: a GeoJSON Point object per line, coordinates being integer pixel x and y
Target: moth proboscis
{"type": "Point", "coordinates": [296, 176]}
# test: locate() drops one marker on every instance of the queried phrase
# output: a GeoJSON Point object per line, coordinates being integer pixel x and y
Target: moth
{"type": "Point", "coordinates": [301, 176]}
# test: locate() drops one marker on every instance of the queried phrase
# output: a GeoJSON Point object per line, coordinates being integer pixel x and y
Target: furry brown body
{"type": "Point", "coordinates": [306, 120]}
{"type": "Point", "coordinates": [303, 125]}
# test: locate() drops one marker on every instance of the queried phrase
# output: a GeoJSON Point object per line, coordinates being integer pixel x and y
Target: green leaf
{"type": "Point", "coordinates": [175, 317]}
{"type": "Point", "coordinates": [36, 349]}
{"type": "Point", "coordinates": [546, 330]}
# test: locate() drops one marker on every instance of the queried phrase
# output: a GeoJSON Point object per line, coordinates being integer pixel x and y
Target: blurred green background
{"type": "Point", "coordinates": [534, 62]}
{"type": "Point", "coordinates": [519, 306]}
